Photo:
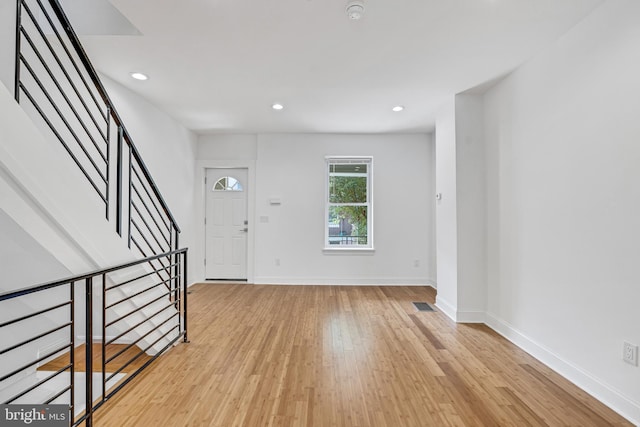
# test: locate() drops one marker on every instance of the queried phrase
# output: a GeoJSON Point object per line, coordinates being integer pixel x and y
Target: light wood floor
{"type": "Point", "coordinates": [343, 356]}
{"type": "Point", "coordinates": [130, 354]}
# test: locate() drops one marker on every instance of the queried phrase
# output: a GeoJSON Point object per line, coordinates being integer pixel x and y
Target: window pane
{"type": "Point", "coordinates": [348, 168]}
{"type": "Point", "coordinates": [348, 225]}
{"type": "Point", "coordinates": [348, 189]}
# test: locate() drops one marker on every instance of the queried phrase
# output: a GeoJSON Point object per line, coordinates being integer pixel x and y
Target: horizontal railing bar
{"type": "Point", "coordinates": [114, 339]}
{"type": "Point", "coordinates": [144, 254]}
{"type": "Point", "coordinates": [138, 293]}
{"type": "Point", "coordinates": [130, 280]}
{"type": "Point", "coordinates": [147, 363]}
{"type": "Point", "coordinates": [64, 71]}
{"type": "Point", "coordinates": [162, 270]}
{"type": "Point", "coordinates": [141, 277]}
{"type": "Point", "coordinates": [152, 183]}
{"type": "Point", "coordinates": [135, 207]}
{"type": "Point", "coordinates": [38, 384]}
{"type": "Point", "coordinates": [64, 390]}
{"type": "Point", "coordinates": [64, 144]}
{"type": "Point", "coordinates": [142, 351]}
{"type": "Point", "coordinates": [138, 309]}
{"type": "Point", "coordinates": [166, 269]}
{"type": "Point", "coordinates": [62, 117]}
{"type": "Point", "coordinates": [44, 334]}
{"type": "Point", "coordinates": [104, 116]}
{"type": "Point", "coordinates": [149, 230]}
{"type": "Point", "coordinates": [9, 375]}
{"type": "Point", "coordinates": [26, 291]}
{"type": "Point", "coordinates": [133, 239]}
{"type": "Point", "coordinates": [150, 198]}
{"type": "Point", "coordinates": [115, 356]}
{"type": "Point", "coordinates": [37, 313]}
{"type": "Point", "coordinates": [145, 240]}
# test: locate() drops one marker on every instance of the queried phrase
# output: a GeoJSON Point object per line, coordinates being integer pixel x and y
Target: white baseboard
{"type": "Point", "coordinates": [446, 307]}
{"type": "Point", "coordinates": [602, 391]}
{"type": "Point", "coordinates": [335, 281]}
{"type": "Point", "coordinates": [471, 317]}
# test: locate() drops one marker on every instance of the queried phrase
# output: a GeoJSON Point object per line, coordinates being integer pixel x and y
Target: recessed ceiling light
{"type": "Point", "coordinates": [398, 108]}
{"type": "Point", "coordinates": [277, 106]}
{"type": "Point", "coordinates": [139, 76]}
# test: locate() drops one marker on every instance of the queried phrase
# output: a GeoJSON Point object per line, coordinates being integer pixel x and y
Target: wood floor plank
{"type": "Point", "coordinates": [323, 356]}
{"type": "Point", "coordinates": [127, 354]}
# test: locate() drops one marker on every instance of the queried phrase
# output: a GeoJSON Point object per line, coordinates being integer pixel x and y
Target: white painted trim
{"type": "Point", "coordinates": [446, 307]}
{"type": "Point", "coordinates": [348, 251]}
{"type": "Point", "coordinates": [369, 203]}
{"type": "Point", "coordinates": [599, 389]}
{"type": "Point", "coordinates": [471, 317]}
{"type": "Point", "coordinates": [197, 253]}
{"type": "Point", "coordinates": [333, 281]}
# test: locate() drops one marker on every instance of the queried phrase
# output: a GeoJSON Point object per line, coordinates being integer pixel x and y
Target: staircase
{"type": "Point", "coordinates": [72, 178]}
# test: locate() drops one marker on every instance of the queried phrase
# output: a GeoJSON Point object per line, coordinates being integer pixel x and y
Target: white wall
{"type": "Point", "coordinates": [292, 168]}
{"type": "Point", "coordinates": [169, 151]}
{"type": "Point", "coordinates": [461, 210]}
{"type": "Point", "coordinates": [446, 210]}
{"type": "Point", "coordinates": [563, 136]}
{"type": "Point", "coordinates": [20, 253]}
{"type": "Point", "coordinates": [471, 209]}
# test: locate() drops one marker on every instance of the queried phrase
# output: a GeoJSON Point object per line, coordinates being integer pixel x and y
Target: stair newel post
{"type": "Point", "coordinates": [89, 350]}
{"type": "Point", "coordinates": [129, 193]}
{"type": "Point", "coordinates": [184, 292]}
{"type": "Point", "coordinates": [176, 269]}
{"type": "Point", "coordinates": [108, 171]}
{"type": "Point", "coordinates": [73, 345]}
{"type": "Point", "coordinates": [119, 160]}
{"type": "Point", "coordinates": [104, 335]}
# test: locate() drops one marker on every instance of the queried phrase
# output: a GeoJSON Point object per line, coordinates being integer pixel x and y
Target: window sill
{"type": "Point", "coordinates": [348, 251]}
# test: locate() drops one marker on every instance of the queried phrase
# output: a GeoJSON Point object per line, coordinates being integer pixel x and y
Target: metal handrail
{"type": "Point", "coordinates": [89, 152]}
{"type": "Point", "coordinates": [29, 290]}
{"type": "Point", "coordinates": [84, 58]}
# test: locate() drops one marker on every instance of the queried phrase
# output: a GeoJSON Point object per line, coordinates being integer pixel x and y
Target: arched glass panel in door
{"type": "Point", "coordinates": [227, 183]}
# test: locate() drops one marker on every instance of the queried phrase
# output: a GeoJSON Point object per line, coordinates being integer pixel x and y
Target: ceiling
{"type": "Point", "coordinates": [219, 65]}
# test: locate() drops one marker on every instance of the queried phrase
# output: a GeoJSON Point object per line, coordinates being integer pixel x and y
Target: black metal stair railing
{"type": "Point", "coordinates": [58, 86]}
{"type": "Point", "coordinates": [49, 327]}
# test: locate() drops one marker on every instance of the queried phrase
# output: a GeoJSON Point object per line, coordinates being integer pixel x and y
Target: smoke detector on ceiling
{"type": "Point", "coordinates": [355, 10]}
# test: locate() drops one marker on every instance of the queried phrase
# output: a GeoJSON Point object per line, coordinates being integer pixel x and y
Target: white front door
{"type": "Point", "coordinates": [226, 224]}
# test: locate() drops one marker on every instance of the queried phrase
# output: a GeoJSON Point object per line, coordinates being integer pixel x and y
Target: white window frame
{"type": "Point", "coordinates": [369, 247]}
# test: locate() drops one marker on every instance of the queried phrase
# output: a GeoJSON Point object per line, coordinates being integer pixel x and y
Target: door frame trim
{"type": "Point", "coordinates": [197, 259]}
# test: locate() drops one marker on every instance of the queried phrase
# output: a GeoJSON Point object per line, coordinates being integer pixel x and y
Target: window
{"type": "Point", "coordinates": [349, 206]}
{"type": "Point", "coordinates": [227, 183]}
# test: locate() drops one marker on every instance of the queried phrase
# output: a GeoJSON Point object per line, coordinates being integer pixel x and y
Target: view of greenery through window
{"type": "Point", "coordinates": [348, 204]}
